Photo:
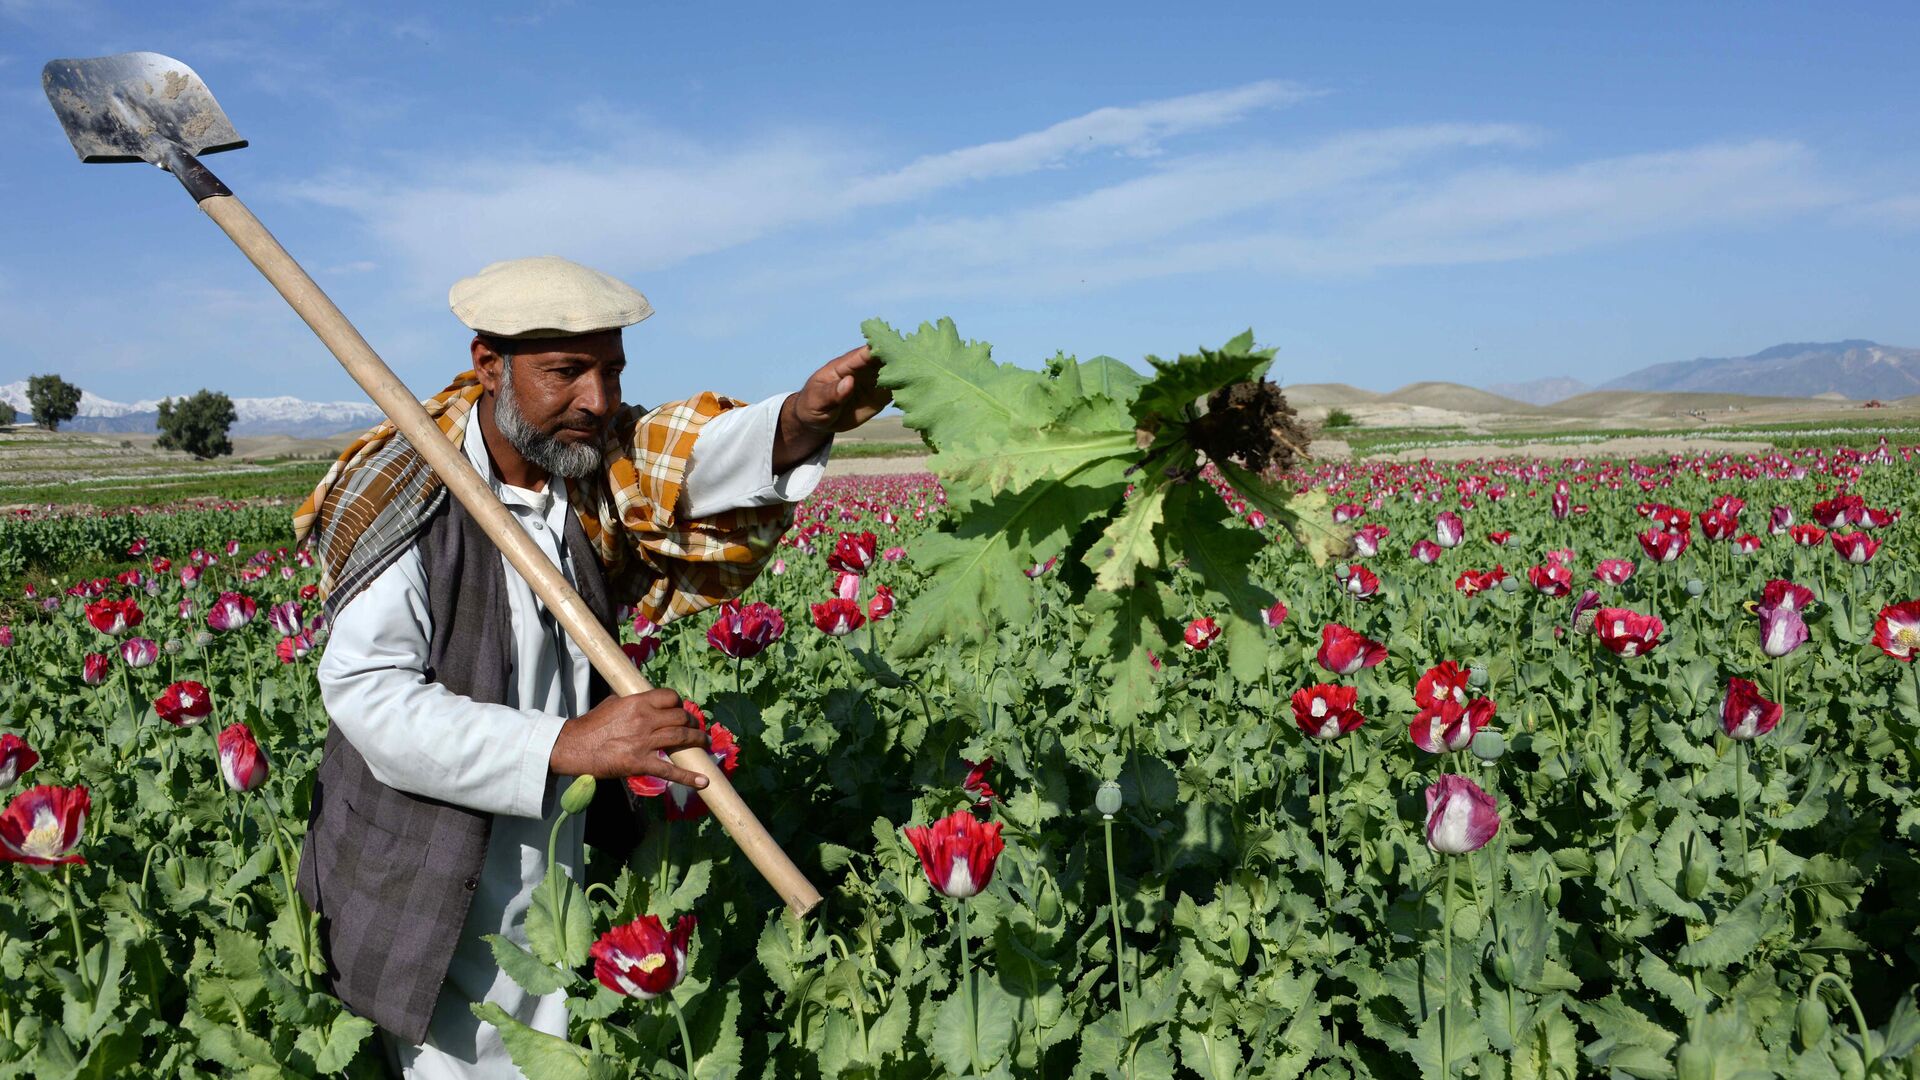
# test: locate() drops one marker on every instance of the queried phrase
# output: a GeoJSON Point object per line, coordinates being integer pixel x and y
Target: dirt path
{"type": "Point", "coordinates": [876, 466]}
{"type": "Point", "coordinates": [1632, 446]}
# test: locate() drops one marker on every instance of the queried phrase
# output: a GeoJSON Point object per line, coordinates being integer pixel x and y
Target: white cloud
{"type": "Point", "coordinates": [689, 199]}
{"type": "Point", "coordinates": [1136, 130]}
{"type": "Point", "coordinates": [1353, 204]}
{"type": "Point", "coordinates": [1428, 194]}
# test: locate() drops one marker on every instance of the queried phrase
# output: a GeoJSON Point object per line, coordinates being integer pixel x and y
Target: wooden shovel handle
{"type": "Point", "coordinates": [466, 484]}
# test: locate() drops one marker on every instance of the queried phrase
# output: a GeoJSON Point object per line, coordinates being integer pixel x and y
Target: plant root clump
{"type": "Point", "coordinates": [1251, 424]}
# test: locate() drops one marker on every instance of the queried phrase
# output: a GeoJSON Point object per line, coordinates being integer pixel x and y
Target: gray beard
{"type": "Point", "coordinates": [556, 458]}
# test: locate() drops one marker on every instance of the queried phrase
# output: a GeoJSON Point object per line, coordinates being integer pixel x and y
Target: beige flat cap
{"type": "Point", "coordinates": [545, 296]}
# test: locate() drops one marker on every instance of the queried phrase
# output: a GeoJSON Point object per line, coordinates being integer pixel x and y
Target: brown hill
{"type": "Point", "coordinates": [1457, 398]}
{"type": "Point", "coordinates": [1622, 403]}
{"type": "Point", "coordinates": [1304, 395]}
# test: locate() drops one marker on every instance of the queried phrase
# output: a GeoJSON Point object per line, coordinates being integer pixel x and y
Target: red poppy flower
{"type": "Point", "coordinates": [642, 959]}
{"type": "Point", "coordinates": [183, 704]}
{"type": "Point", "coordinates": [1201, 633]}
{"type": "Point", "coordinates": [243, 765]}
{"type": "Point", "coordinates": [1854, 547]}
{"type": "Point", "coordinates": [42, 826]}
{"type": "Point", "coordinates": [742, 633]}
{"type": "Point", "coordinates": [1663, 546]}
{"type": "Point", "coordinates": [1744, 714]}
{"type": "Point", "coordinates": [1275, 615]}
{"type": "Point", "coordinates": [976, 781]}
{"type": "Point", "coordinates": [1628, 633]}
{"type": "Point", "coordinates": [16, 757]}
{"type": "Point", "coordinates": [231, 611]}
{"type": "Point", "coordinates": [684, 803]}
{"type": "Point", "coordinates": [1361, 583]}
{"type": "Point", "coordinates": [957, 852]}
{"type": "Point", "coordinates": [881, 605]}
{"type": "Point", "coordinates": [838, 616]}
{"type": "Point", "coordinates": [853, 553]}
{"type": "Point", "coordinates": [1326, 711]}
{"type": "Point", "coordinates": [1897, 631]}
{"type": "Point", "coordinates": [1344, 651]}
{"type": "Point", "coordinates": [1807, 535]}
{"type": "Point", "coordinates": [1785, 594]}
{"type": "Point", "coordinates": [1553, 579]}
{"type": "Point", "coordinates": [94, 667]}
{"type": "Point", "coordinates": [1444, 682]}
{"type": "Point", "coordinates": [114, 617]}
{"type": "Point", "coordinates": [1448, 725]}
{"type": "Point", "coordinates": [1613, 571]}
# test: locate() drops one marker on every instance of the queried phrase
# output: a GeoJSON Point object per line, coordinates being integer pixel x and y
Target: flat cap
{"type": "Point", "coordinates": [545, 296]}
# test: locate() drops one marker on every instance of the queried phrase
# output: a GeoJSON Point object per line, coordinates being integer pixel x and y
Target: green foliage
{"type": "Point", "coordinates": [1091, 462]}
{"type": "Point", "coordinates": [1337, 418]}
{"type": "Point", "coordinates": [7, 414]}
{"type": "Point", "coordinates": [197, 425]}
{"type": "Point", "coordinates": [53, 400]}
{"type": "Point", "coordinates": [1654, 901]}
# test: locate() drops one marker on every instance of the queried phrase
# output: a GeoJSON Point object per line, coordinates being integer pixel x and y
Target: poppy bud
{"type": "Point", "coordinates": [1551, 894]}
{"type": "Point", "coordinates": [578, 796]}
{"type": "Point", "coordinates": [1810, 1020]}
{"type": "Point", "coordinates": [1107, 800]}
{"type": "Point", "coordinates": [1384, 855]}
{"type": "Point", "coordinates": [1503, 967]}
{"type": "Point", "coordinates": [1239, 943]}
{"type": "Point", "coordinates": [1693, 880]}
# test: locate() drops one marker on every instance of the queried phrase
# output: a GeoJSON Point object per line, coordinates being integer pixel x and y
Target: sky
{"type": "Point", "coordinates": [1476, 192]}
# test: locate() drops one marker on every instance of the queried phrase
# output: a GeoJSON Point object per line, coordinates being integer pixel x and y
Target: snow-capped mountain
{"type": "Point", "coordinates": [252, 416]}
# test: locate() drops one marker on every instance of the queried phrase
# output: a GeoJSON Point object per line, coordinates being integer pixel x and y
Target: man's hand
{"type": "Point", "coordinates": [623, 736]}
{"type": "Point", "coordinates": [839, 397]}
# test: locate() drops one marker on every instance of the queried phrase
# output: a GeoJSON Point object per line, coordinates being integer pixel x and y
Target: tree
{"type": "Point", "coordinates": [7, 415]}
{"type": "Point", "coordinates": [53, 400]}
{"type": "Point", "coordinates": [197, 424]}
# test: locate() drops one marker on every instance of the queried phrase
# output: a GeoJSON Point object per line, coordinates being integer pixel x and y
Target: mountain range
{"type": "Point", "coordinates": [1852, 369]}
{"type": "Point", "coordinates": [252, 416]}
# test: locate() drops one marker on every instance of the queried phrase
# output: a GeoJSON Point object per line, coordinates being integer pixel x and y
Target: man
{"type": "Point", "coordinates": [460, 709]}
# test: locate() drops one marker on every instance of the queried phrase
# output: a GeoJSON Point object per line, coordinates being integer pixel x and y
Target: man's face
{"type": "Point", "coordinates": [559, 398]}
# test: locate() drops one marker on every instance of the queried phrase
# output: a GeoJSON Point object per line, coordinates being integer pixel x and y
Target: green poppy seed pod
{"type": "Point", "coordinates": [1810, 1020]}
{"type": "Point", "coordinates": [1477, 674]}
{"type": "Point", "coordinates": [1503, 967]}
{"type": "Point", "coordinates": [1107, 799]}
{"type": "Point", "coordinates": [203, 639]}
{"type": "Point", "coordinates": [1488, 745]}
{"type": "Point", "coordinates": [578, 796]}
{"type": "Point", "coordinates": [1694, 1061]}
{"type": "Point", "coordinates": [1342, 570]}
{"type": "Point", "coordinates": [1693, 881]}
{"type": "Point", "coordinates": [1695, 587]}
{"type": "Point", "coordinates": [1509, 584]}
{"type": "Point", "coordinates": [173, 646]}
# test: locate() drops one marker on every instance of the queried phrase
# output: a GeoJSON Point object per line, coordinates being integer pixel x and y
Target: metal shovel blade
{"type": "Point", "coordinates": [137, 106]}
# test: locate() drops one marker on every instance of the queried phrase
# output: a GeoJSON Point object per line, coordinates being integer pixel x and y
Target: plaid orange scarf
{"type": "Point", "coordinates": [374, 499]}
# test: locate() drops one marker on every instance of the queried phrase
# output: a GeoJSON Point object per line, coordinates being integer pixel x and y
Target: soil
{"type": "Point", "coordinates": [1251, 424]}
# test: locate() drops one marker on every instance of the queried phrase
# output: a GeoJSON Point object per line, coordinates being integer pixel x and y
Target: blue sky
{"type": "Point", "coordinates": [1468, 192]}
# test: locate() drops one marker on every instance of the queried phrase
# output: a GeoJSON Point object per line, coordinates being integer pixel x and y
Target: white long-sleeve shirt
{"type": "Point", "coordinates": [419, 737]}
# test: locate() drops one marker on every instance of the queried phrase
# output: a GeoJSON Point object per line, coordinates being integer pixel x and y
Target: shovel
{"type": "Point", "coordinates": [147, 107]}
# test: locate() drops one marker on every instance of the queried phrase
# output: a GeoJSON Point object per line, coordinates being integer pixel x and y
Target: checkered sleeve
{"type": "Point", "coordinates": [658, 563]}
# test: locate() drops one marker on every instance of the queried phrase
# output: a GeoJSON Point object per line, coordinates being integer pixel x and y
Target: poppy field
{"type": "Point", "coordinates": [1555, 769]}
